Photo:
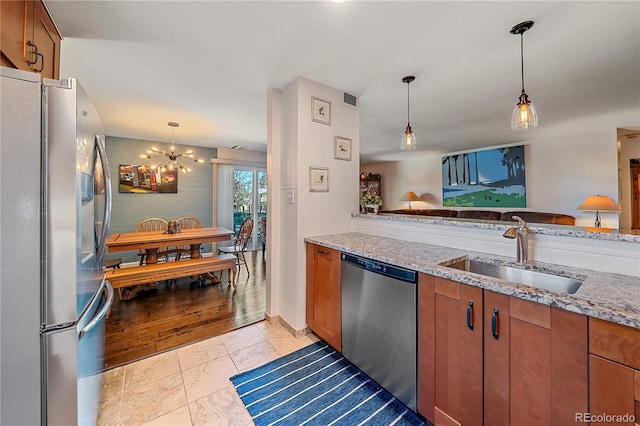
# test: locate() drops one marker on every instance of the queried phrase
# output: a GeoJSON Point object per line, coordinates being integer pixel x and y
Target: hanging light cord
{"type": "Point", "coordinates": [522, 60]}
{"type": "Point", "coordinates": [408, 103]}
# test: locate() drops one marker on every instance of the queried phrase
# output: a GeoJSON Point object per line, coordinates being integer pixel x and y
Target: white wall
{"type": "Point", "coordinates": [299, 144]}
{"type": "Point", "coordinates": [560, 173]}
{"type": "Point", "coordinates": [618, 257]}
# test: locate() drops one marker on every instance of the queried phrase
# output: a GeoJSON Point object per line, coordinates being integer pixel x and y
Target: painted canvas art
{"type": "Point", "coordinates": [145, 180]}
{"type": "Point", "coordinates": [490, 178]}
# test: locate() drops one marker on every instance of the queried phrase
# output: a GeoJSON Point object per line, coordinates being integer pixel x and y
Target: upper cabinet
{"type": "Point", "coordinates": [29, 39]}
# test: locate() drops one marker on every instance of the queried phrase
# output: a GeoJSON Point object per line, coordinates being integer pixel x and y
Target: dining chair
{"type": "Point", "coordinates": [149, 225]}
{"type": "Point", "coordinates": [263, 228]}
{"type": "Point", "coordinates": [240, 244]}
{"type": "Point", "coordinates": [188, 222]}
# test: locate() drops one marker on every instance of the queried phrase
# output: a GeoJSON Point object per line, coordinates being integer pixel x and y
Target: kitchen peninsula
{"type": "Point", "coordinates": [611, 297]}
{"type": "Point", "coordinates": [504, 352]}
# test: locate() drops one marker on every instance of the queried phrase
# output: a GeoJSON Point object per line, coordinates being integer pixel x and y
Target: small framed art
{"type": "Point", "coordinates": [341, 148]}
{"type": "Point", "coordinates": [318, 179]}
{"type": "Point", "coordinates": [320, 111]}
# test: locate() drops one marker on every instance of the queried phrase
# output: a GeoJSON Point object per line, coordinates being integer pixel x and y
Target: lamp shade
{"type": "Point", "coordinates": [599, 203]}
{"type": "Point", "coordinates": [410, 196]}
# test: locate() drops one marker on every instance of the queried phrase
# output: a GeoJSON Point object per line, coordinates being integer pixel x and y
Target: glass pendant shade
{"type": "Point", "coordinates": [524, 115]}
{"type": "Point", "coordinates": [408, 140]}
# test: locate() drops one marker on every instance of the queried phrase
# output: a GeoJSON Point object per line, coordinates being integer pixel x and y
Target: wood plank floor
{"type": "Point", "coordinates": [166, 317]}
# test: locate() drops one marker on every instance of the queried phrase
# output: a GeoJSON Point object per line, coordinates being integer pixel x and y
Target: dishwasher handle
{"type": "Point", "coordinates": [391, 271]}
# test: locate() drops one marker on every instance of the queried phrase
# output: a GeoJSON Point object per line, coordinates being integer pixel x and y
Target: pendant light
{"type": "Point", "coordinates": [524, 115]}
{"type": "Point", "coordinates": [409, 139]}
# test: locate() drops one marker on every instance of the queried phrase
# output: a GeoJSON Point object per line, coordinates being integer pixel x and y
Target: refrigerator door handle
{"type": "Point", "coordinates": [103, 312]}
{"type": "Point", "coordinates": [107, 205]}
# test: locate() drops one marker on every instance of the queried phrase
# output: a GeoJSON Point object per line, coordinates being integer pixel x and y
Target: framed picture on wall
{"type": "Point", "coordinates": [487, 178]}
{"type": "Point", "coordinates": [320, 111]}
{"type": "Point", "coordinates": [341, 148]}
{"type": "Point", "coordinates": [145, 180]}
{"type": "Point", "coordinates": [318, 179]}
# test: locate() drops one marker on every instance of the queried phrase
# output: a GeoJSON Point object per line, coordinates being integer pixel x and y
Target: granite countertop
{"type": "Point", "coordinates": [611, 297]}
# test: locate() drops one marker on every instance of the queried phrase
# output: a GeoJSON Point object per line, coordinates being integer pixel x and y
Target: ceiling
{"type": "Point", "coordinates": [209, 64]}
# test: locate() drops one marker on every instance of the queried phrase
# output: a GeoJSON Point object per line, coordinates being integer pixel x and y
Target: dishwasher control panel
{"type": "Point", "coordinates": [392, 271]}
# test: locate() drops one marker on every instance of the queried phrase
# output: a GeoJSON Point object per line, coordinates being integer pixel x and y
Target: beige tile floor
{"type": "Point", "coordinates": [190, 385]}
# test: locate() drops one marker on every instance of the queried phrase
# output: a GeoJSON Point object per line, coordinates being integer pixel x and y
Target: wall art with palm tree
{"type": "Point", "coordinates": [489, 178]}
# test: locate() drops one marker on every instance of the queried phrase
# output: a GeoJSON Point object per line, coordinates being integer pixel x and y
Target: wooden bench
{"type": "Point", "coordinates": [151, 273]}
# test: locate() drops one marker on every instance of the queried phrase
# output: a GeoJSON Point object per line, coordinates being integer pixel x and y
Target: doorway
{"type": "Point", "coordinates": [250, 200]}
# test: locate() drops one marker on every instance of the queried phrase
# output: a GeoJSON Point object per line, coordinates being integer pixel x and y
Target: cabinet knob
{"type": "Point", "coordinates": [470, 315]}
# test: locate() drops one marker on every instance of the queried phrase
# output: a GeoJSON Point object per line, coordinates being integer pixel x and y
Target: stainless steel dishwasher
{"type": "Point", "coordinates": [379, 324]}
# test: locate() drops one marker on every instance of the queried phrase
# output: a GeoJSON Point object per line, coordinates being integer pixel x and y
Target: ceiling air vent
{"type": "Point", "coordinates": [350, 99]}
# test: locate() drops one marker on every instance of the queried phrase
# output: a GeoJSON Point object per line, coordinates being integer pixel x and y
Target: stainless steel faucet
{"type": "Point", "coordinates": [521, 235]}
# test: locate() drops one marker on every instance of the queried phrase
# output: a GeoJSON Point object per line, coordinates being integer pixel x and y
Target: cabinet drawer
{"type": "Point", "coordinates": [615, 342]}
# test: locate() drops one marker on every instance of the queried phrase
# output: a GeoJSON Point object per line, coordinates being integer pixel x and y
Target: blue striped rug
{"type": "Point", "coordinates": [318, 386]}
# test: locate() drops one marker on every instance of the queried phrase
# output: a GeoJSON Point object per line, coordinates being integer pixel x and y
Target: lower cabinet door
{"type": "Point", "coordinates": [614, 392]}
{"type": "Point", "coordinates": [535, 363]}
{"type": "Point", "coordinates": [324, 308]}
{"type": "Point", "coordinates": [426, 346]}
{"type": "Point", "coordinates": [496, 359]}
{"type": "Point", "coordinates": [458, 353]}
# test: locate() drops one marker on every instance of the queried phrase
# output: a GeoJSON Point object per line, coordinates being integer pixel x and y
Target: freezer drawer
{"type": "Point", "coordinates": [74, 358]}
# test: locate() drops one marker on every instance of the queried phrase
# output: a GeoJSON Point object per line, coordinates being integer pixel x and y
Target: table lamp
{"type": "Point", "coordinates": [599, 203]}
{"type": "Point", "coordinates": [410, 196]}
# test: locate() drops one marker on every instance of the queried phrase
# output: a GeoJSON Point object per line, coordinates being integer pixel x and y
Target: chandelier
{"type": "Point", "coordinates": [170, 160]}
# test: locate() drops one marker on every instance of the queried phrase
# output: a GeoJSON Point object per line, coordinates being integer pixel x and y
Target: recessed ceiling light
{"type": "Point", "coordinates": [338, 1]}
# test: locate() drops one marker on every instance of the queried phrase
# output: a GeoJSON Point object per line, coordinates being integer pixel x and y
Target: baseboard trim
{"type": "Point", "coordinates": [277, 319]}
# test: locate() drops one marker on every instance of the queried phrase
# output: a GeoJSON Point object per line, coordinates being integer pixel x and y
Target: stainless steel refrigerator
{"type": "Point", "coordinates": [55, 201]}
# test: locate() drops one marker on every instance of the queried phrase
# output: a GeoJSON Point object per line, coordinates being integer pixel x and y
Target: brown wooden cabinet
{"type": "Point", "coordinates": [614, 373]}
{"type": "Point", "coordinates": [458, 345]}
{"type": "Point", "coordinates": [29, 39]}
{"type": "Point", "coordinates": [426, 346]}
{"type": "Point", "coordinates": [535, 369]}
{"type": "Point", "coordinates": [324, 305]}
{"type": "Point", "coordinates": [498, 360]}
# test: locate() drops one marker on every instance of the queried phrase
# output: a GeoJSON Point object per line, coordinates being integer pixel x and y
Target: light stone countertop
{"type": "Point", "coordinates": [611, 297]}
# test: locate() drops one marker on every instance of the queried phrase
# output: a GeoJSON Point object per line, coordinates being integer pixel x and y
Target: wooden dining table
{"type": "Point", "coordinates": [154, 240]}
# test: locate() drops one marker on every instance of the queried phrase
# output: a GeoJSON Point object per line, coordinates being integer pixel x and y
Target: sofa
{"type": "Point", "coordinates": [527, 216]}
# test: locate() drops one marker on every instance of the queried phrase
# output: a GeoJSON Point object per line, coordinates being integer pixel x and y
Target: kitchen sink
{"type": "Point", "coordinates": [555, 283]}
